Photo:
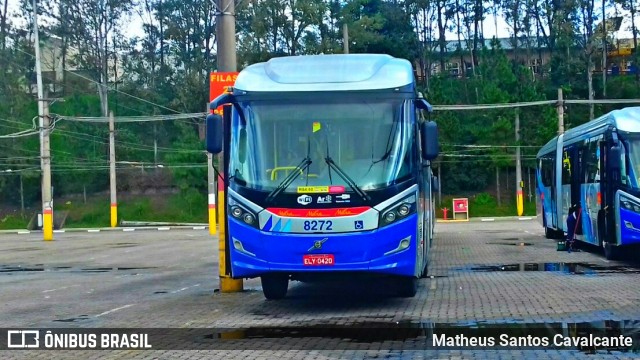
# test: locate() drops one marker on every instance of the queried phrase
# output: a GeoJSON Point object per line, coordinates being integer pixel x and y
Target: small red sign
{"type": "Point", "coordinates": [318, 212]}
{"type": "Point", "coordinates": [318, 260]}
{"type": "Point", "coordinates": [336, 189]}
{"type": "Point", "coordinates": [460, 205]}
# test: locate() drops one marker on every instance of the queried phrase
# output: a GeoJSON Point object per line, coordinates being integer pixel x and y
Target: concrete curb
{"type": "Point", "coordinates": [95, 230]}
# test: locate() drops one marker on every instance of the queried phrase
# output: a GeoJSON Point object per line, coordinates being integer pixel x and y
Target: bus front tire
{"type": "Point", "coordinates": [408, 286]}
{"type": "Point", "coordinates": [610, 251]}
{"type": "Point", "coordinates": [274, 286]}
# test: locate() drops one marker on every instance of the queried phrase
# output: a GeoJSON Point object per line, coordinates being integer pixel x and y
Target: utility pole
{"type": "Point", "coordinates": [112, 170]}
{"type": "Point", "coordinates": [345, 37]}
{"type": "Point", "coordinates": [519, 184]}
{"type": "Point", "coordinates": [560, 109]}
{"type": "Point", "coordinates": [604, 51]}
{"type": "Point", "coordinates": [226, 59]}
{"type": "Point", "coordinates": [45, 156]}
{"type": "Point", "coordinates": [212, 186]}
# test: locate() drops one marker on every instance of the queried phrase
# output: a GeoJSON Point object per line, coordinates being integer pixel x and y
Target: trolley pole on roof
{"type": "Point", "coordinates": [226, 59]}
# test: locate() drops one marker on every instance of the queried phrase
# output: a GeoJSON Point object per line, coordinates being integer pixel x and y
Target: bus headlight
{"type": "Point", "coordinates": [404, 209]}
{"type": "Point", "coordinates": [248, 218]}
{"type": "Point", "coordinates": [390, 216]}
{"type": "Point", "coordinates": [236, 211]}
{"type": "Point", "coordinates": [629, 204]}
{"type": "Point", "coordinates": [242, 213]}
{"type": "Point", "coordinates": [401, 209]}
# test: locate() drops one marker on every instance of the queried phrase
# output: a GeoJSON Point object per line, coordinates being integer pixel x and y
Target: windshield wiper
{"type": "Point", "coordinates": [346, 178]}
{"type": "Point", "coordinates": [290, 178]}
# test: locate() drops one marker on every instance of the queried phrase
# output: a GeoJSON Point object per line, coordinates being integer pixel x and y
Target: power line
{"type": "Point", "coordinates": [125, 119]}
{"type": "Point", "coordinates": [111, 88]}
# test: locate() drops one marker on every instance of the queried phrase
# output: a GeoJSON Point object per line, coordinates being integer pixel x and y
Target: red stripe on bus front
{"type": "Point", "coordinates": [318, 212]}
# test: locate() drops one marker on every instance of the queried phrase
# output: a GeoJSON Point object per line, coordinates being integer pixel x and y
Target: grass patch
{"type": "Point", "coordinates": [485, 205]}
{"type": "Point", "coordinates": [13, 221]}
{"type": "Point", "coordinates": [190, 207]}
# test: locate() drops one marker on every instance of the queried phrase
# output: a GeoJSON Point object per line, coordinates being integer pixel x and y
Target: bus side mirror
{"type": "Point", "coordinates": [614, 158]}
{"type": "Point", "coordinates": [434, 183]}
{"type": "Point", "coordinates": [214, 133]}
{"type": "Point", "coordinates": [429, 137]}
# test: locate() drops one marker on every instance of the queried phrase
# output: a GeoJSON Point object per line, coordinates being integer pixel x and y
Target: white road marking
{"type": "Point", "coordinates": [24, 232]}
{"type": "Point", "coordinates": [164, 228]}
{"type": "Point", "coordinates": [487, 219]}
{"type": "Point", "coordinates": [114, 310]}
{"type": "Point", "coordinates": [199, 227]}
{"type": "Point", "coordinates": [525, 218]}
{"type": "Point", "coordinates": [184, 288]}
{"type": "Point", "coordinates": [62, 288]}
{"type": "Point", "coordinates": [93, 230]}
{"type": "Point", "coordinates": [128, 229]}
{"type": "Point", "coordinates": [58, 231]}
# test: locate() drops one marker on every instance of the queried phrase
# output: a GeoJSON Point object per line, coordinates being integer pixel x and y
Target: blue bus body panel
{"type": "Point", "coordinates": [357, 251]}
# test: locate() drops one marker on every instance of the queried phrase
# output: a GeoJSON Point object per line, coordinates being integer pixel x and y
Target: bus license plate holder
{"type": "Point", "coordinates": [318, 260]}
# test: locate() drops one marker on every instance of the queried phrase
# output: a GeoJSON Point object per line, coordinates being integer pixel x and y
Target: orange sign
{"type": "Point", "coordinates": [218, 82]}
{"type": "Point", "coordinates": [318, 212]}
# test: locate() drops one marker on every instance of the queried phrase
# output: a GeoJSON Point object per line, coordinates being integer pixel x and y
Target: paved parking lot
{"type": "Point", "coordinates": [502, 272]}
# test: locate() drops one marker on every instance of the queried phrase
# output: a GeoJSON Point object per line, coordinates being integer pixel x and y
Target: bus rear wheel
{"type": "Point", "coordinates": [274, 286]}
{"type": "Point", "coordinates": [408, 286]}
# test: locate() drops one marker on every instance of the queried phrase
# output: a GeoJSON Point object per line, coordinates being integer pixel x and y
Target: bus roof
{"type": "Point", "coordinates": [335, 72]}
{"type": "Point", "coordinates": [626, 119]}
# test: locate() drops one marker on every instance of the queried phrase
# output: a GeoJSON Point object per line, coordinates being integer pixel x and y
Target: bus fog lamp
{"type": "Point", "coordinates": [248, 218]}
{"type": "Point", "coordinates": [237, 244]}
{"type": "Point", "coordinates": [404, 243]}
{"type": "Point", "coordinates": [403, 210]}
{"type": "Point", "coordinates": [236, 211]}
{"type": "Point", "coordinates": [390, 216]}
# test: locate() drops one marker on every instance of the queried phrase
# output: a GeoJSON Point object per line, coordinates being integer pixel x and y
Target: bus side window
{"type": "Point", "coordinates": [591, 163]}
{"type": "Point", "coordinates": [566, 169]}
{"type": "Point", "coordinates": [624, 177]}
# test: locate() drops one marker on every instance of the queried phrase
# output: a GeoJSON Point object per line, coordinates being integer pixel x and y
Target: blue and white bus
{"type": "Point", "coordinates": [327, 170]}
{"type": "Point", "coordinates": [594, 167]}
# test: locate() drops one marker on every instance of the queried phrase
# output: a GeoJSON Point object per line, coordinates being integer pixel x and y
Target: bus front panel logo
{"type": "Point", "coordinates": [318, 244]}
{"type": "Point", "coordinates": [305, 199]}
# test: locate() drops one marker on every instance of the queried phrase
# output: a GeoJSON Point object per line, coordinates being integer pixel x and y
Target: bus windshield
{"type": "Point", "coordinates": [369, 139]}
{"type": "Point", "coordinates": [633, 142]}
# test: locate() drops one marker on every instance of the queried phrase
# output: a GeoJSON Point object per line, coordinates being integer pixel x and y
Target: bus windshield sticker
{"type": "Point", "coordinates": [333, 189]}
{"type": "Point", "coordinates": [316, 126]}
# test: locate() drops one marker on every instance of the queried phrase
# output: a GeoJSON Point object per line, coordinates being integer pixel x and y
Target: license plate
{"type": "Point", "coordinates": [318, 260]}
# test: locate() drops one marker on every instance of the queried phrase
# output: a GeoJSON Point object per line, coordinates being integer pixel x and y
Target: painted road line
{"type": "Point", "coordinates": [184, 288]}
{"type": "Point", "coordinates": [24, 232]}
{"type": "Point", "coordinates": [164, 228]}
{"type": "Point", "coordinates": [129, 229]}
{"type": "Point", "coordinates": [62, 288]}
{"type": "Point", "coordinates": [525, 218]}
{"type": "Point", "coordinates": [58, 231]}
{"type": "Point", "coordinates": [433, 284]}
{"type": "Point", "coordinates": [93, 230]}
{"type": "Point", "coordinates": [199, 227]}
{"type": "Point", "coordinates": [114, 310]}
{"type": "Point", "coordinates": [487, 219]}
